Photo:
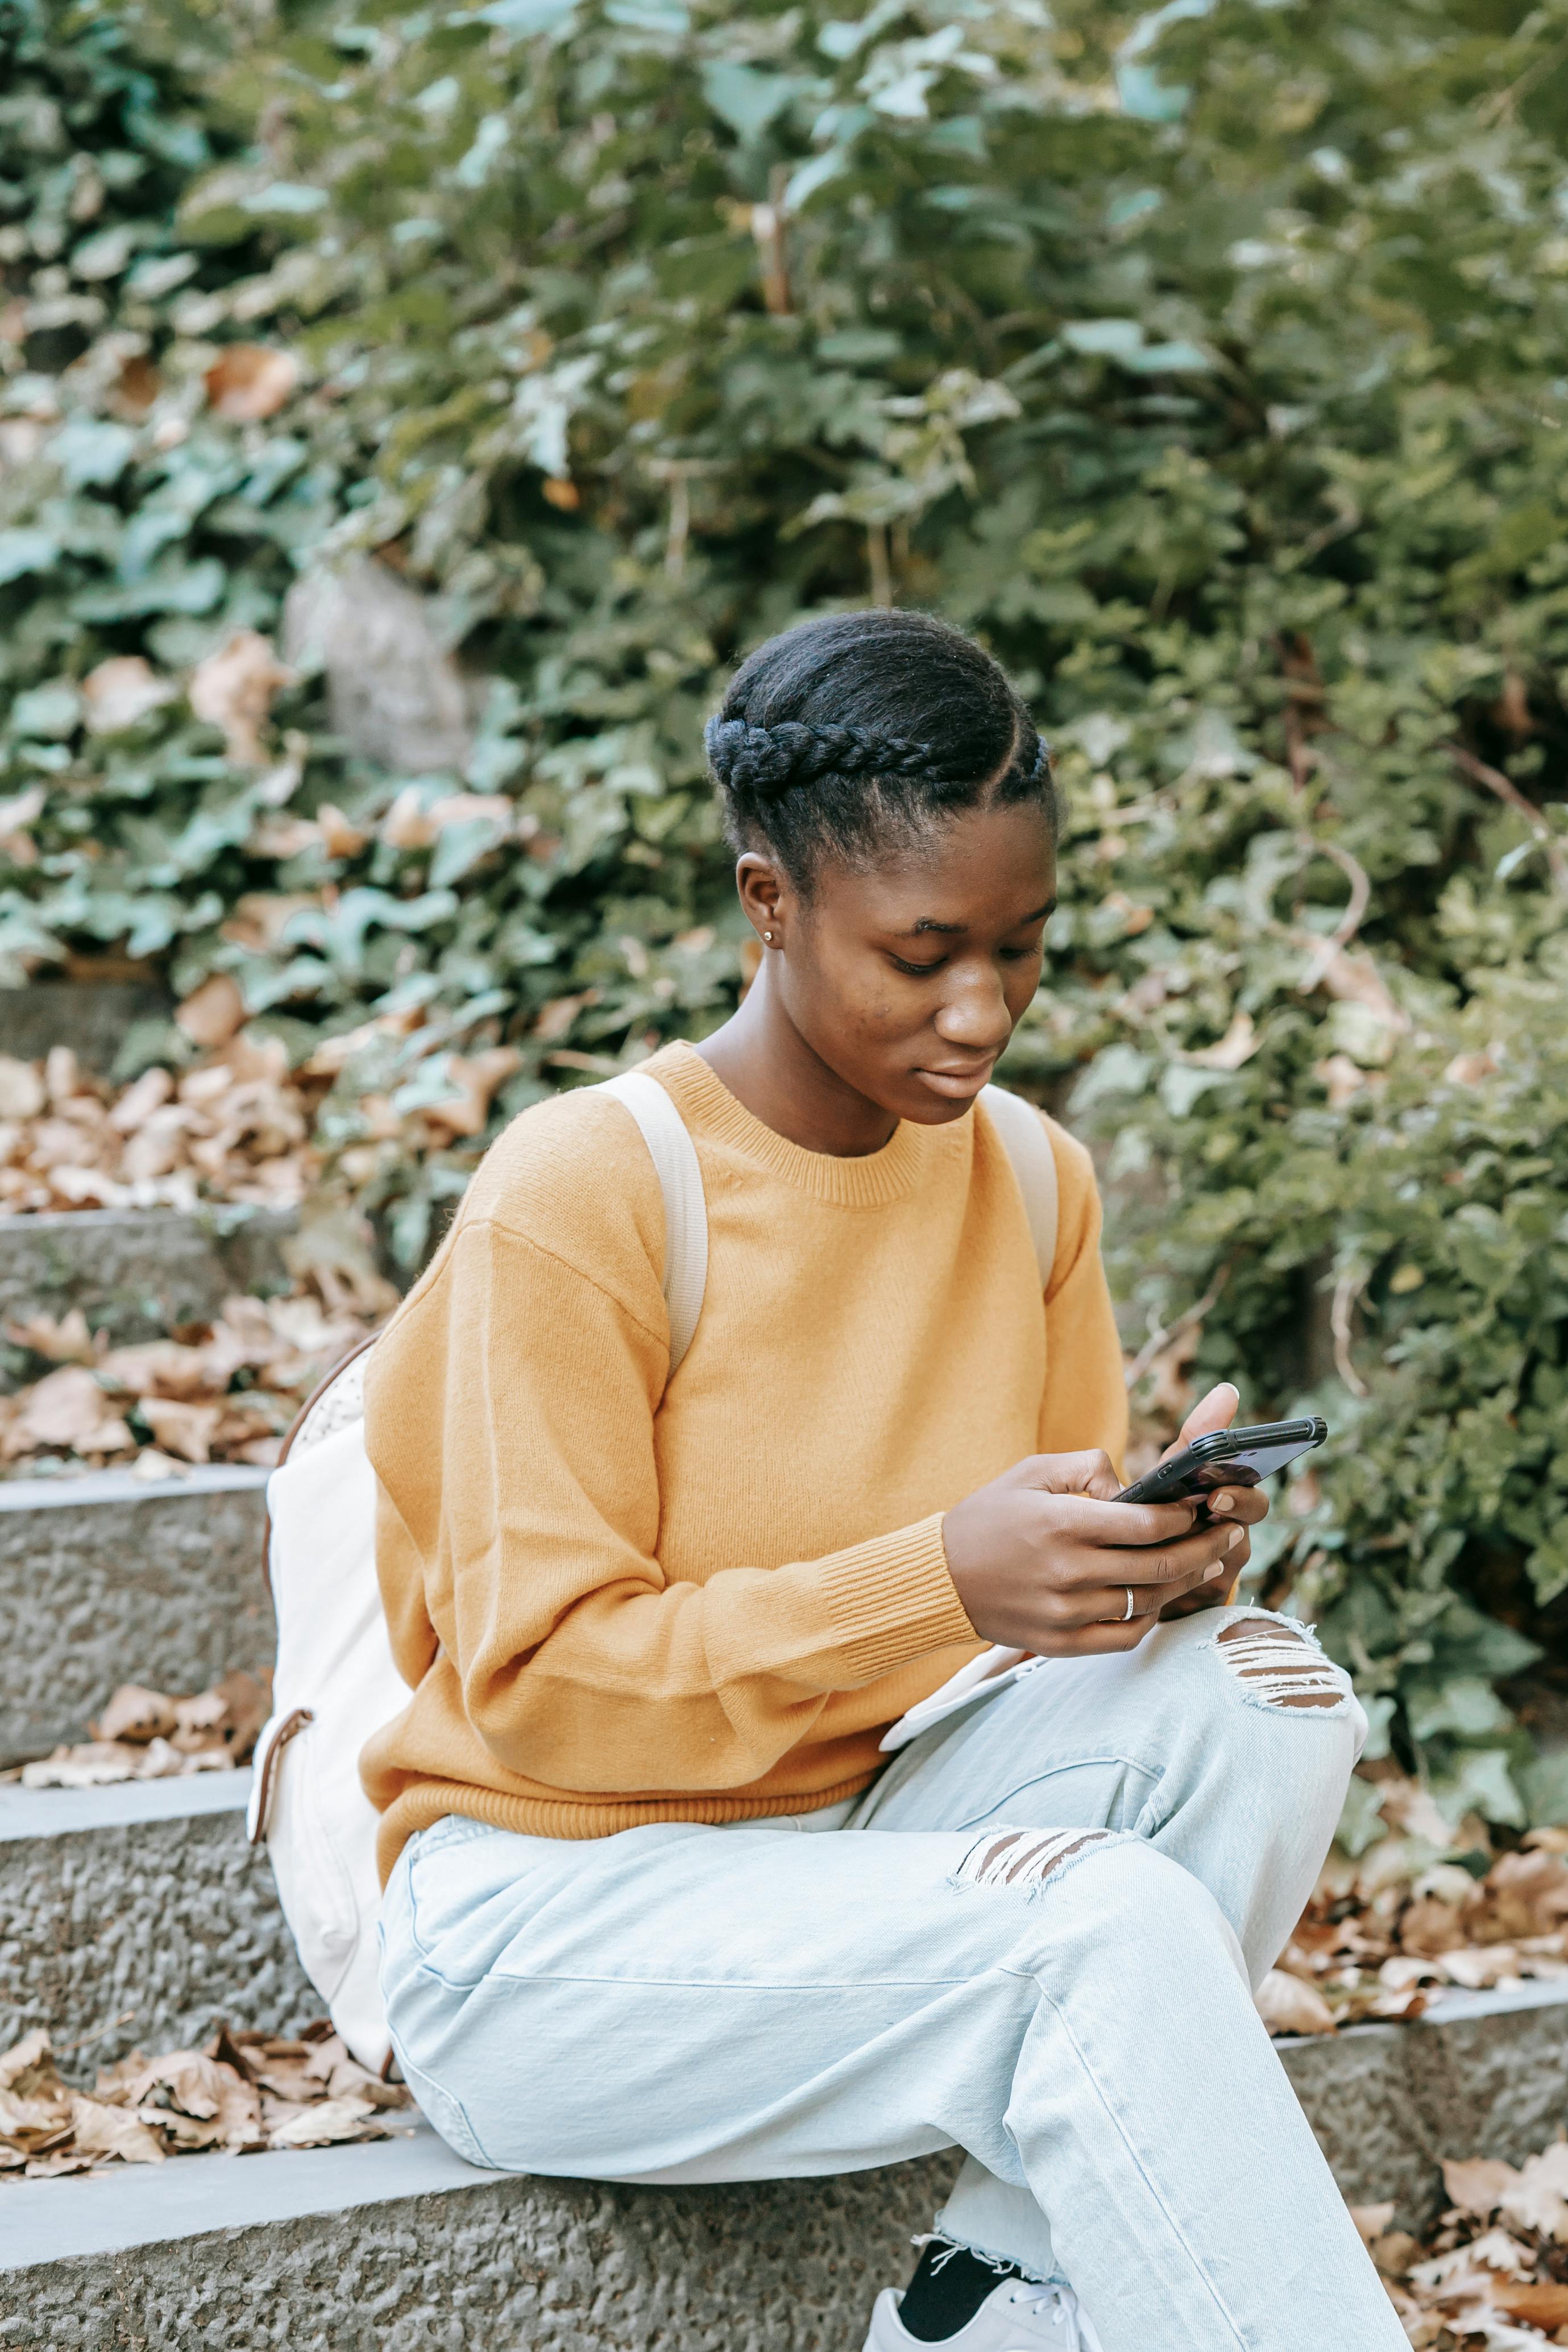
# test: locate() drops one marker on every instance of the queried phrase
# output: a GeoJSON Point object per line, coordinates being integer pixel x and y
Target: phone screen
{"type": "Point", "coordinates": [1231, 1457]}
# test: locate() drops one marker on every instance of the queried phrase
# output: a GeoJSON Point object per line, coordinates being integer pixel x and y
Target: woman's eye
{"type": "Point", "coordinates": [1018, 955]}
{"type": "Point", "coordinates": [920, 971]}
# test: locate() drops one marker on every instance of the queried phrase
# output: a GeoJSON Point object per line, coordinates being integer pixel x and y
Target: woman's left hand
{"type": "Point", "coordinates": [1245, 1505]}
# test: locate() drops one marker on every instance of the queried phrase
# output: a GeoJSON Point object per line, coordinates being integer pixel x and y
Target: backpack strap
{"type": "Point", "coordinates": [674, 1156]}
{"type": "Point", "coordinates": [1028, 1146]}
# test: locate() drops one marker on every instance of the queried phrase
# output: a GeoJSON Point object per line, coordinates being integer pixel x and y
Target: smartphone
{"type": "Point", "coordinates": [1226, 1457]}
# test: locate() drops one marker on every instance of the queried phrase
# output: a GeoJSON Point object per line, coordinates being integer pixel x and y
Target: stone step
{"type": "Point", "coordinates": [141, 1909]}
{"type": "Point", "coordinates": [137, 1274]}
{"type": "Point", "coordinates": [110, 1577]}
{"type": "Point", "coordinates": [93, 1017]}
{"type": "Point", "coordinates": [401, 2245]}
{"type": "Point", "coordinates": [145, 1897]}
{"type": "Point", "coordinates": [398, 2244]}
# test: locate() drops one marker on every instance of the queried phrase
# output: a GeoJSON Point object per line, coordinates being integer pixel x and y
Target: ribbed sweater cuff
{"type": "Point", "coordinates": [892, 1600]}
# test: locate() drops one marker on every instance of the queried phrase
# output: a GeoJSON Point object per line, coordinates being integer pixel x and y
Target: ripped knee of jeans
{"type": "Point", "coordinates": [1278, 1664]}
{"type": "Point", "coordinates": [1025, 1858]}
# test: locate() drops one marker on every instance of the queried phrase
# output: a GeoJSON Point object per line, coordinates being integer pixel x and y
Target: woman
{"type": "Point", "coordinates": [658, 1907]}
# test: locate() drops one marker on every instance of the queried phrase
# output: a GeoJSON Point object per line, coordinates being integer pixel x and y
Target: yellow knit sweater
{"type": "Point", "coordinates": [616, 1603]}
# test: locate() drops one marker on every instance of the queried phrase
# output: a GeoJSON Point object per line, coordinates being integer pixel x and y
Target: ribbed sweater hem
{"type": "Point", "coordinates": [587, 1817]}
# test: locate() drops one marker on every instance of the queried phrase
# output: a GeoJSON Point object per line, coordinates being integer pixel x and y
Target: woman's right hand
{"type": "Point", "coordinates": [1044, 1557]}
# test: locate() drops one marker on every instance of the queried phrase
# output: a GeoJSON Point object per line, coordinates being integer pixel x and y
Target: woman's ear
{"type": "Point", "coordinates": [763, 893]}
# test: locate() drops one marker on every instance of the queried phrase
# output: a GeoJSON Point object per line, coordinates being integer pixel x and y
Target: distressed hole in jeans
{"type": "Point", "coordinates": [1280, 1664]}
{"type": "Point", "coordinates": [1022, 1857]}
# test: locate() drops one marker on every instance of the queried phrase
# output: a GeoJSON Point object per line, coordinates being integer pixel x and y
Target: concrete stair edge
{"type": "Point", "coordinates": [95, 1490]}
{"type": "Point", "coordinates": [47, 1813]}
{"type": "Point", "coordinates": [189, 2196]}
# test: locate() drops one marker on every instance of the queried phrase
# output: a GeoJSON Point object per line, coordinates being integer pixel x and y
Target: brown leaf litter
{"type": "Point", "coordinates": [225, 1391]}
{"type": "Point", "coordinates": [240, 2094]}
{"type": "Point", "coordinates": [1405, 1919]}
{"type": "Point", "coordinates": [145, 1734]}
{"type": "Point", "coordinates": [240, 1125]}
{"type": "Point", "coordinates": [1492, 2275]}
{"type": "Point", "coordinates": [236, 1127]}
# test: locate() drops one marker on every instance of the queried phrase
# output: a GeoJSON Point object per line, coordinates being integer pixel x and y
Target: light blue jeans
{"type": "Point", "coordinates": [1032, 1936]}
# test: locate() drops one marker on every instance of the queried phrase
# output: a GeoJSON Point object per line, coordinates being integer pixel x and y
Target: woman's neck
{"type": "Point", "coordinates": [768, 1066]}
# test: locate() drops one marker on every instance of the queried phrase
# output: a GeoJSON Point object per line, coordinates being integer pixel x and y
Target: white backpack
{"type": "Point", "coordinates": [335, 1684]}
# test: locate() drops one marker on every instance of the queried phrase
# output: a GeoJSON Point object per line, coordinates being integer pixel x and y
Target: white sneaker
{"type": "Point", "coordinates": [1016, 2317]}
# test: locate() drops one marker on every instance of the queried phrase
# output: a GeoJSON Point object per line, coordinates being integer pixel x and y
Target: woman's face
{"type": "Point", "coordinates": [908, 980]}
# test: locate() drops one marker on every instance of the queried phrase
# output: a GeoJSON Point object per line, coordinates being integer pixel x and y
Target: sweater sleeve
{"type": "Point", "coordinates": [521, 1508]}
{"type": "Point", "coordinates": [1085, 1400]}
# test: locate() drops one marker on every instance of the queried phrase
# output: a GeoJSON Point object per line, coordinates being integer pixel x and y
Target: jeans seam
{"type": "Point", "coordinates": [1053, 1771]}
{"type": "Point", "coordinates": [1115, 2120]}
{"type": "Point", "coordinates": [751, 1986]}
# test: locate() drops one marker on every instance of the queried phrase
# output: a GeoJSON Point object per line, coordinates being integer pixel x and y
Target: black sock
{"type": "Point", "coordinates": [947, 2290]}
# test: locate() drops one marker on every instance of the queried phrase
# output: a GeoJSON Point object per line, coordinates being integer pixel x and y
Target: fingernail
{"type": "Point", "coordinates": [1221, 1504]}
{"type": "Point", "coordinates": [1234, 1537]}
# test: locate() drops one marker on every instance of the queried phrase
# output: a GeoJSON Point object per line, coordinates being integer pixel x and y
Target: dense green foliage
{"type": "Point", "coordinates": [1212, 366]}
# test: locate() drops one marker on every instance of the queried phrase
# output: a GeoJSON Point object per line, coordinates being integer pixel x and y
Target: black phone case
{"type": "Point", "coordinates": [1207, 1465]}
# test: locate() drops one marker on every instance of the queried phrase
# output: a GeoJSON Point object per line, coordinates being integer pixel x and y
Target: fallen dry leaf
{"type": "Point", "coordinates": [211, 1013]}
{"type": "Point", "coordinates": [147, 1735]}
{"type": "Point", "coordinates": [233, 689]}
{"type": "Point", "coordinates": [338, 838]}
{"type": "Point", "coordinates": [99, 1764]}
{"type": "Point", "coordinates": [248, 382]}
{"type": "Point", "coordinates": [1538, 2200]}
{"type": "Point", "coordinates": [474, 1080]}
{"type": "Point", "coordinates": [184, 1430]}
{"type": "Point", "coordinates": [143, 2110]}
{"type": "Point", "coordinates": [1286, 2005]}
{"type": "Point", "coordinates": [34, 2049]}
{"type": "Point", "coordinates": [1544, 2304]}
{"type": "Point", "coordinates": [100, 2131]}
{"type": "Point", "coordinates": [1483, 2284]}
{"type": "Point", "coordinates": [1478, 2184]}
{"type": "Point", "coordinates": [21, 1092]}
{"type": "Point", "coordinates": [331, 2120]}
{"type": "Point", "coordinates": [1470, 1069]}
{"type": "Point", "coordinates": [136, 388]}
{"type": "Point", "coordinates": [412, 823]}
{"type": "Point", "coordinates": [136, 1713]}
{"type": "Point", "coordinates": [65, 1341]}
{"type": "Point", "coordinates": [68, 1410]}
{"type": "Point", "coordinates": [1343, 1079]}
{"type": "Point", "coordinates": [189, 2080]}
{"type": "Point", "coordinates": [136, 1105]}
{"type": "Point", "coordinates": [122, 691]}
{"type": "Point", "coordinates": [1237, 1045]}
{"type": "Point", "coordinates": [31, 2124]}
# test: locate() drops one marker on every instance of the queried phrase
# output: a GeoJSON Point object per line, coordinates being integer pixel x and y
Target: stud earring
{"type": "Point", "coordinates": [768, 936]}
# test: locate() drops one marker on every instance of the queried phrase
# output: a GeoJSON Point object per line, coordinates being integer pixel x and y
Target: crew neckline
{"type": "Point", "coordinates": [865, 1182]}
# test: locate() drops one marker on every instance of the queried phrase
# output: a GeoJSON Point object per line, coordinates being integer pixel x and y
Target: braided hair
{"type": "Point", "coordinates": [863, 730]}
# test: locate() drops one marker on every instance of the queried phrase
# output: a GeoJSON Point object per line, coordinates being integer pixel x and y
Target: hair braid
{"type": "Point", "coordinates": [771, 760]}
{"type": "Point", "coordinates": [850, 732]}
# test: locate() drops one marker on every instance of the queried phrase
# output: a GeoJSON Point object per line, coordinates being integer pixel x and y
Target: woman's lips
{"type": "Point", "coordinates": [958, 1086]}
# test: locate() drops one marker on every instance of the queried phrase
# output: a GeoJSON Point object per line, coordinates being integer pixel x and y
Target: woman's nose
{"type": "Point", "coordinates": [974, 1015]}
